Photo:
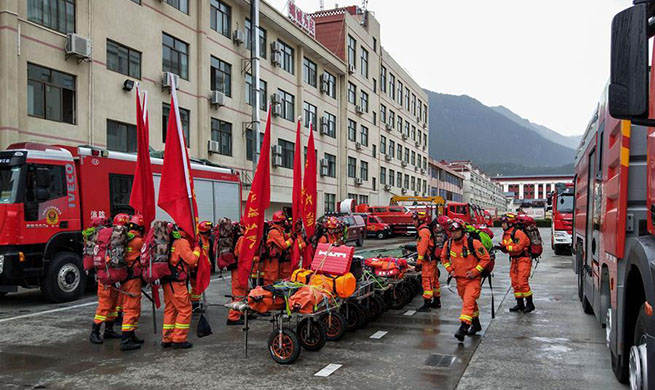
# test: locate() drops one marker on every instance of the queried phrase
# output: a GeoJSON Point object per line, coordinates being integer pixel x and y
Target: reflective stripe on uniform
{"type": "Point", "coordinates": [528, 294]}
{"type": "Point", "coordinates": [447, 265]}
{"type": "Point", "coordinates": [169, 326]}
{"type": "Point", "coordinates": [196, 253]}
{"type": "Point", "coordinates": [194, 296]}
{"type": "Point", "coordinates": [476, 314]}
{"type": "Point", "coordinates": [464, 317]}
{"type": "Point", "coordinates": [182, 326]}
{"type": "Point", "coordinates": [509, 248]}
{"type": "Point", "coordinates": [99, 318]}
{"type": "Point", "coordinates": [420, 257]}
{"type": "Point", "coordinates": [453, 254]}
{"type": "Point", "coordinates": [479, 268]}
{"type": "Point", "coordinates": [127, 327]}
{"type": "Point", "coordinates": [518, 294]}
{"type": "Point", "coordinates": [428, 292]}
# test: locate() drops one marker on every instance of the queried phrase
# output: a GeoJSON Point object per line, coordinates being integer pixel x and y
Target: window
{"type": "Point", "coordinates": [364, 136]}
{"type": "Point", "coordinates": [407, 128]}
{"type": "Point", "coordinates": [383, 176]}
{"type": "Point", "coordinates": [425, 110]}
{"type": "Point", "coordinates": [383, 144]}
{"type": "Point", "coordinates": [262, 92]}
{"type": "Point", "coordinates": [331, 164]}
{"type": "Point", "coordinates": [375, 86]}
{"type": "Point", "coordinates": [392, 177]}
{"type": "Point", "coordinates": [392, 118]}
{"type": "Point", "coordinates": [383, 79]}
{"type": "Point", "coordinates": [123, 60]}
{"type": "Point", "coordinates": [400, 124]}
{"type": "Point", "coordinates": [287, 153]}
{"type": "Point", "coordinates": [363, 170]}
{"type": "Point", "coordinates": [413, 133]}
{"type": "Point", "coordinates": [425, 138]}
{"type": "Point", "coordinates": [392, 148]}
{"type": "Point", "coordinates": [220, 17]}
{"type": "Point", "coordinates": [309, 111]}
{"type": "Point", "coordinates": [375, 118]}
{"type": "Point", "coordinates": [221, 76]}
{"type": "Point", "coordinates": [120, 188]}
{"type": "Point", "coordinates": [50, 94]}
{"type": "Point", "coordinates": [352, 167]}
{"type": "Point", "coordinates": [262, 38]}
{"type": "Point", "coordinates": [330, 200]}
{"type": "Point", "coordinates": [352, 50]}
{"type": "Point", "coordinates": [352, 130]}
{"type": "Point", "coordinates": [331, 85]}
{"type": "Point", "coordinates": [407, 99]}
{"type": "Point", "coordinates": [413, 104]}
{"type": "Point", "coordinates": [363, 199]}
{"type": "Point", "coordinates": [413, 157]}
{"type": "Point", "coordinates": [373, 150]}
{"type": "Point", "coordinates": [399, 179]}
{"type": "Point", "coordinates": [406, 182]}
{"type": "Point", "coordinates": [250, 143]}
{"type": "Point", "coordinates": [309, 72]}
{"type": "Point", "coordinates": [420, 110]}
{"type": "Point", "coordinates": [331, 125]}
{"type": "Point", "coordinates": [55, 14]}
{"type": "Point", "coordinates": [287, 57]}
{"type": "Point", "coordinates": [420, 136]}
{"type": "Point", "coordinates": [375, 45]}
{"type": "Point", "coordinates": [400, 93]}
{"type": "Point", "coordinates": [222, 133]}
{"type": "Point", "coordinates": [364, 63]}
{"type": "Point", "coordinates": [121, 137]}
{"type": "Point", "coordinates": [352, 93]}
{"type": "Point", "coordinates": [287, 105]}
{"type": "Point", "coordinates": [184, 118]}
{"type": "Point", "coordinates": [419, 159]}
{"type": "Point", "coordinates": [351, 196]}
{"type": "Point", "coordinates": [406, 155]}
{"type": "Point", "coordinates": [400, 152]}
{"type": "Point", "coordinates": [364, 101]}
{"type": "Point", "coordinates": [413, 187]}
{"type": "Point", "coordinates": [182, 5]}
{"type": "Point", "coordinates": [392, 87]}
{"type": "Point", "coordinates": [137, 1]}
{"type": "Point", "coordinates": [175, 56]}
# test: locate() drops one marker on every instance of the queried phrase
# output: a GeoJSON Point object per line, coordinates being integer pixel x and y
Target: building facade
{"type": "Point", "coordinates": [445, 182]}
{"type": "Point", "coordinates": [479, 189]}
{"type": "Point", "coordinates": [50, 97]}
{"type": "Point", "coordinates": [531, 187]}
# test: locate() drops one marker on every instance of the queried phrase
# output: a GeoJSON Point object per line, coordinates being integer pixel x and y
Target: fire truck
{"type": "Point", "coordinates": [561, 227]}
{"type": "Point", "coordinates": [50, 193]}
{"type": "Point", "coordinates": [614, 210]}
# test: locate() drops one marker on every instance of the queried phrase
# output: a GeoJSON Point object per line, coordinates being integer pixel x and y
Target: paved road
{"type": "Point", "coordinates": [557, 346]}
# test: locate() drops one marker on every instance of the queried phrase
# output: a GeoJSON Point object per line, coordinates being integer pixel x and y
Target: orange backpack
{"type": "Point", "coordinates": [262, 300]}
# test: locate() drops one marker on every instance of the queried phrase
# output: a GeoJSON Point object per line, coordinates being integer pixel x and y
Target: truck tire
{"type": "Point", "coordinates": [381, 235]}
{"type": "Point", "coordinates": [65, 278]}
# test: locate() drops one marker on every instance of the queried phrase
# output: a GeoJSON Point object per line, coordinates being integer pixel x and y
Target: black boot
{"type": "Point", "coordinates": [135, 339]}
{"type": "Point", "coordinates": [436, 303]}
{"type": "Point", "coordinates": [109, 331]}
{"type": "Point", "coordinates": [462, 331]}
{"type": "Point", "coordinates": [475, 327]}
{"type": "Point", "coordinates": [95, 338]}
{"type": "Point", "coordinates": [529, 306]}
{"type": "Point", "coordinates": [184, 345]}
{"type": "Point", "coordinates": [425, 307]}
{"type": "Point", "coordinates": [119, 320]}
{"type": "Point", "coordinates": [519, 305]}
{"type": "Point", "coordinates": [126, 342]}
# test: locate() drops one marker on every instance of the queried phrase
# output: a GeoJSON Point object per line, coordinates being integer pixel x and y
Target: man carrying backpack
{"type": "Point", "coordinates": [425, 248]}
{"type": "Point", "coordinates": [516, 243]}
{"type": "Point", "coordinates": [278, 242]}
{"type": "Point", "coordinates": [239, 291]}
{"type": "Point", "coordinates": [131, 288]}
{"type": "Point", "coordinates": [204, 230]}
{"type": "Point", "coordinates": [465, 266]}
{"type": "Point", "coordinates": [177, 309]}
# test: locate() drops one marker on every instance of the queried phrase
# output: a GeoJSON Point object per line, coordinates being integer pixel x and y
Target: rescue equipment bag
{"type": "Point", "coordinates": [470, 248]}
{"type": "Point", "coordinates": [155, 252]}
{"type": "Point", "coordinates": [529, 227]}
{"type": "Point", "coordinates": [262, 300]}
{"type": "Point", "coordinates": [333, 260]}
{"type": "Point", "coordinates": [342, 286]}
{"type": "Point", "coordinates": [387, 266]}
{"type": "Point", "coordinates": [302, 275]}
{"type": "Point", "coordinates": [88, 252]}
{"type": "Point", "coordinates": [308, 300]}
{"type": "Point", "coordinates": [113, 242]}
{"type": "Point", "coordinates": [226, 243]}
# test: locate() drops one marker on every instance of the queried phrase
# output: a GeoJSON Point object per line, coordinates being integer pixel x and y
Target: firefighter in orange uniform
{"type": "Point", "coordinates": [332, 236]}
{"type": "Point", "coordinates": [278, 243]}
{"type": "Point", "coordinates": [425, 248]}
{"type": "Point", "coordinates": [177, 310]}
{"type": "Point", "coordinates": [204, 230]}
{"type": "Point", "coordinates": [440, 238]}
{"type": "Point", "coordinates": [131, 288]}
{"type": "Point", "coordinates": [516, 243]}
{"type": "Point", "coordinates": [121, 219]}
{"type": "Point", "coordinates": [465, 267]}
{"type": "Point", "coordinates": [108, 303]}
{"type": "Point", "coordinates": [296, 251]}
{"type": "Point", "coordinates": [239, 291]}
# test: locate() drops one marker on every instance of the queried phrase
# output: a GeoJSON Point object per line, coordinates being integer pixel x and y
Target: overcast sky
{"type": "Point", "coordinates": [546, 60]}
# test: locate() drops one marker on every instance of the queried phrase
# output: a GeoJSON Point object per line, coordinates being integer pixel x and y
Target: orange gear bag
{"type": "Point", "coordinates": [302, 275]}
{"type": "Point", "coordinates": [262, 300]}
{"type": "Point", "coordinates": [343, 286]}
{"type": "Point", "coordinates": [307, 299]}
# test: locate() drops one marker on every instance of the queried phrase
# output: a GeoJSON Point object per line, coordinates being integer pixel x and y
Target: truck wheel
{"type": "Point", "coordinates": [65, 279]}
{"type": "Point", "coordinates": [381, 235]}
{"type": "Point", "coordinates": [637, 365]}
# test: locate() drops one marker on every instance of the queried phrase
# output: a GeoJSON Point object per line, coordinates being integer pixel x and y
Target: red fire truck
{"type": "Point", "coordinates": [614, 211]}
{"type": "Point", "coordinates": [50, 193]}
{"type": "Point", "coordinates": [561, 227]}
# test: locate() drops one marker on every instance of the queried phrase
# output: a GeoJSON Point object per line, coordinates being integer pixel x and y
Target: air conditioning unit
{"type": "Point", "coordinates": [359, 109]}
{"type": "Point", "coordinates": [239, 37]}
{"type": "Point", "coordinates": [358, 145]}
{"type": "Point", "coordinates": [387, 157]}
{"type": "Point", "coordinates": [422, 170]}
{"type": "Point", "coordinates": [403, 163]}
{"type": "Point", "coordinates": [415, 168]}
{"type": "Point", "coordinates": [217, 99]}
{"type": "Point", "coordinates": [277, 161]}
{"type": "Point", "coordinates": [325, 126]}
{"type": "Point", "coordinates": [78, 46]}
{"type": "Point", "coordinates": [325, 83]}
{"type": "Point", "coordinates": [416, 193]}
{"type": "Point", "coordinates": [388, 126]}
{"type": "Point", "coordinates": [324, 167]}
{"type": "Point", "coordinates": [387, 187]}
{"type": "Point", "coordinates": [424, 146]}
{"type": "Point", "coordinates": [276, 58]}
{"type": "Point", "coordinates": [276, 110]}
{"type": "Point", "coordinates": [425, 124]}
{"type": "Point", "coordinates": [359, 181]}
{"type": "Point", "coordinates": [276, 104]}
{"type": "Point", "coordinates": [277, 155]}
{"type": "Point", "coordinates": [403, 190]}
{"type": "Point", "coordinates": [213, 146]}
{"type": "Point", "coordinates": [351, 68]}
{"type": "Point", "coordinates": [417, 143]}
{"type": "Point", "coordinates": [166, 80]}
{"type": "Point", "coordinates": [405, 136]}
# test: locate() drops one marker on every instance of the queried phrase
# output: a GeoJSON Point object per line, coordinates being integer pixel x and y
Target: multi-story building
{"type": "Point", "coordinates": [50, 95]}
{"type": "Point", "coordinates": [479, 189]}
{"type": "Point", "coordinates": [445, 182]}
{"type": "Point", "coordinates": [531, 187]}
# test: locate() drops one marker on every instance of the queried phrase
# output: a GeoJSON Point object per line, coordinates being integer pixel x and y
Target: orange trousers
{"type": "Point", "coordinates": [239, 291]}
{"type": "Point", "coordinates": [519, 272]}
{"type": "Point", "coordinates": [195, 297]}
{"type": "Point", "coordinates": [131, 304]}
{"type": "Point", "coordinates": [284, 270]}
{"type": "Point", "coordinates": [107, 301]}
{"type": "Point", "coordinates": [469, 291]}
{"type": "Point", "coordinates": [430, 279]}
{"type": "Point", "coordinates": [271, 269]}
{"type": "Point", "coordinates": [177, 312]}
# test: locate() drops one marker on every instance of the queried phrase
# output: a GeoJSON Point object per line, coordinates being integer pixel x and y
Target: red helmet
{"type": "Point", "coordinates": [205, 227]}
{"type": "Point", "coordinates": [137, 220]}
{"type": "Point", "coordinates": [443, 220]}
{"type": "Point", "coordinates": [456, 224]}
{"type": "Point", "coordinates": [332, 223]}
{"type": "Point", "coordinates": [510, 218]}
{"type": "Point", "coordinates": [279, 217]}
{"type": "Point", "coordinates": [98, 221]}
{"type": "Point", "coordinates": [121, 219]}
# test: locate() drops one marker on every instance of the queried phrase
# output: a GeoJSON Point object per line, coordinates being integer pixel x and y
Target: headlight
{"type": "Point", "coordinates": [2, 263]}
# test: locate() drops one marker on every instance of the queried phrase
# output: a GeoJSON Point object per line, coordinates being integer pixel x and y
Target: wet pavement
{"type": "Point", "coordinates": [558, 346]}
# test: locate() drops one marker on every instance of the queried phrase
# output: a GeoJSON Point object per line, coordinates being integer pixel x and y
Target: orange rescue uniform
{"type": "Point", "coordinates": [328, 238]}
{"type": "Point", "coordinates": [462, 261]}
{"type": "Point", "coordinates": [131, 288]}
{"type": "Point", "coordinates": [195, 297]}
{"type": "Point", "coordinates": [521, 263]}
{"type": "Point", "coordinates": [278, 242]}
{"type": "Point", "coordinates": [425, 246]}
{"type": "Point", "coordinates": [239, 291]}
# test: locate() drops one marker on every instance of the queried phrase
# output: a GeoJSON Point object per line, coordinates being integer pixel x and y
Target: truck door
{"type": "Point", "coordinates": [46, 203]}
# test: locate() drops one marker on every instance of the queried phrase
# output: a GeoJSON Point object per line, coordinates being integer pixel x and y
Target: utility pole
{"type": "Point", "coordinates": [254, 71]}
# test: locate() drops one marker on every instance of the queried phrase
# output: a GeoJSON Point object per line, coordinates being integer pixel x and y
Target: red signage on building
{"type": "Point", "coordinates": [305, 21]}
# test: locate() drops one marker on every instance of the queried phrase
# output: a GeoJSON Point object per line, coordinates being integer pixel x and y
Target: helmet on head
{"type": "Point", "coordinates": [205, 227]}
{"type": "Point", "coordinates": [121, 219]}
{"type": "Point", "coordinates": [279, 217]}
{"type": "Point", "coordinates": [456, 224]}
{"type": "Point", "coordinates": [443, 220]}
{"type": "Point", "coordinates": [509, 218]}
{"type": "Point", "coordinates": [331, 223]}
{"type": "Point", "coordinates": [137, 220]}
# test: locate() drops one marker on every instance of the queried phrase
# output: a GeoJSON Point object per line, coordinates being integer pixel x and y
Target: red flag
{"type": "Point", "coordinates": [204, 272]}
{"type": "Point", "coordinates": [154, 289]}
{"type": "Point", "coordinates": [296, 194]}
{"type": "Point", "coordinates": [142, 198]}
{"type": "Point", "coordinates": [309, 196]}
{"type": "Point", "coordinates": [259, 199]}
{"type": "Point", "coordinates": [176, 195]}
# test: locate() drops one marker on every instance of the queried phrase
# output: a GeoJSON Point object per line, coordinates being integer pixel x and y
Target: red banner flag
{"type": "Point", "coordinates": [259, 199]}
{"type": "Point", "coordinates": [309, 187]}
{"type": "Point", "coordinates": [176, 195]}
{"type": "Point", "coordinates": [296, 194]}
{"type": "Point", "coordinates": [142, 198]}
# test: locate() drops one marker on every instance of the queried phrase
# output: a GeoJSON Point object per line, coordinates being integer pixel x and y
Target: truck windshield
{"type": "Point", "coordinates": [565, 204]}
{"type": "Point", "coordinates": [9, 177]}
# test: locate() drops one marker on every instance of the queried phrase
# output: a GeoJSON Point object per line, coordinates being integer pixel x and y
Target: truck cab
{"type": "Point", "coordinates": [561, 226]}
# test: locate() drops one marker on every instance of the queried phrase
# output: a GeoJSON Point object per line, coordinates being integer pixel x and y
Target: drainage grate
{"type": "Point", "coordinates": [440, 361]}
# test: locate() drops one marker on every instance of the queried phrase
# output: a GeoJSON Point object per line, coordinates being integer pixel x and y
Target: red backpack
{"type": "Point", "coordinates": [529, 227]}
{"type": "Point", "coordinates": [225, 238]}
{"type": "Point", "coordinates": [155, 253]}
{"type": "Point", "coordinates": [109, 255]}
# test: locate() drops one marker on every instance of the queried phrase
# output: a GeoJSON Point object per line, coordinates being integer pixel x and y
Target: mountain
{"type": "Point", "coordinates": [552, 135]}
{"type": "Point", "coordinates": [462, 128]}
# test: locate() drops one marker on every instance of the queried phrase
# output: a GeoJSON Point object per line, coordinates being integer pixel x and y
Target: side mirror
{"type": "Point", "coordinates": [42, 194]}
{"type": "Point", "coordinates": [42, 178]}
{"type": "Point", "coordinates": [628, 89]}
